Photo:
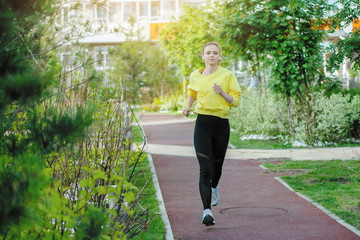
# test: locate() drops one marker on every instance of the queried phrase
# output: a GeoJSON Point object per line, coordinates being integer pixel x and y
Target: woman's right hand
{"type": "Point", "coordinates": [186, 112]}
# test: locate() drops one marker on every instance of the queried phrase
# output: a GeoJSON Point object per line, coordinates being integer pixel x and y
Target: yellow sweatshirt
{"type": "Point", "coordinates": [208, 102]}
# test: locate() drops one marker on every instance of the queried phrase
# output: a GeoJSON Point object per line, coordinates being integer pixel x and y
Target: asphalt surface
{"type": "Point", "coordinates": [253, 205]}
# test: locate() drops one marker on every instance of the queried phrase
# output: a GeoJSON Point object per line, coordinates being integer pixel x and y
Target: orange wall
{"type": "Point", "coordinates": [155, 29]}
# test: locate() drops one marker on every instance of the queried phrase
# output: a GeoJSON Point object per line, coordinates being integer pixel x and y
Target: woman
{"type": "Point", "coordinates": [216, 90]}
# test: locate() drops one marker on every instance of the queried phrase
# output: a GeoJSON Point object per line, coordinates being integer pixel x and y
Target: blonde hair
{"type": "Point", "coordinates": [208, 44]}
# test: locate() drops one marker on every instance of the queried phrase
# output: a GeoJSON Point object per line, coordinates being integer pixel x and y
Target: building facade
{"type": "Point", "coordinates": [111, 17]}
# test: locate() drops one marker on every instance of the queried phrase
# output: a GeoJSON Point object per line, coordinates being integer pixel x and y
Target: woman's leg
{"type": "Point", "coordinates": [203, 146]}
{"type": "Point", "coordinates": [220, 143]}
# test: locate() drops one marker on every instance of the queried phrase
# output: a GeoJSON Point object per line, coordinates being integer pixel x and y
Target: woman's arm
{"type": "Point", "coordinates": [190, 101]}
{"type": "Point", "coordinates": [222, 93]}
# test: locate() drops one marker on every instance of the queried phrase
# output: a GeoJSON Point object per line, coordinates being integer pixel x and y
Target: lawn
{"type": "Point", "coordinates": [155, 228]}
{"type": "Point", "coordinates": [333, 184]}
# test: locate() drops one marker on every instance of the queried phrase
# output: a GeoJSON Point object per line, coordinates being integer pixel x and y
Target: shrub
{"type": "Point", "coordinates": [174, 102]}
{"type": "Point", "coordinates": [169, 103]}
{"type": "Point", "coordinates": [257, 114]}
{"type": "Point", "coordinates": [335, 116]}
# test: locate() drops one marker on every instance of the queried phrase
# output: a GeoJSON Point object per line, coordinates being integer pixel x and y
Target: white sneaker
{"type": "Point", "coordinates": [208, 218]}
{"type": "Point", "coordinates": [214, 196]}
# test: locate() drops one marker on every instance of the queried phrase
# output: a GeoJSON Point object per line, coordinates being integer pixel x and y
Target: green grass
{"type": "Point", "coordinates": [155, 229]}
{"type": "Point", "coordinates": [333, 184]}
{"type": "Point", "coordinates": [137, 134]}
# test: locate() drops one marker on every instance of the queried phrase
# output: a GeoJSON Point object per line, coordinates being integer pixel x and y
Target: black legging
{"type": "Point", "coordinates": [211, 138]}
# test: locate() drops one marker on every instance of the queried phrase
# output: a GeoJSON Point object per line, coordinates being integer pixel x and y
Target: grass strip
{"type": "Point", "coordinates": [332, 184]}
{"type": "Point", "coordinates": [155, 228]}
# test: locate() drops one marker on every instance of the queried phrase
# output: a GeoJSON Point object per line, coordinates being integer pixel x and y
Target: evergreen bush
{"type": "Point", "coordinates": [67, 166]}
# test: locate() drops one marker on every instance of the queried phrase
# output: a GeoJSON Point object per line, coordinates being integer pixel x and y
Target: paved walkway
{"type": "Point", "coordinates": [253, 205]}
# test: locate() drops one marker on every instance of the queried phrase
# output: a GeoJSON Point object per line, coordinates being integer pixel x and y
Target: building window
{"type": "Point", "coordinates": [155, 9]}
{"type": "Point", "coordinates": [101, 14]}
{"type": "Point", "coordinates": [70, 14]}
{"type": "Point", "coordinates": [143, 9]}
{"type": "Point", "coordinates": [89, 14]}
{"type": "Point", "coordinates": [129, 11]}
{"type": "Point", "coordinates": [169, 9]}
{"type": "Point", "coordinates": [101, 58]}
{"type": "Point", "coordinates": [115, 12]}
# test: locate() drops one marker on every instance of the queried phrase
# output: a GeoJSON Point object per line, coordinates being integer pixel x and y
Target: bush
{"type": "Point", "coordinates": [334, 118]}
{"type": "Point", "coordinates": [67, 169]}
{"type": "Point", "coordinates": [258, 114]}
{"type": "Point", "coordinates": [175, 102]}
{"type": "Point", "coordinates": [170, 103]}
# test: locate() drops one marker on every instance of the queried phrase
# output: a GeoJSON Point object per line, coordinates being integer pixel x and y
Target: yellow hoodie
{"type": "Point", "coordinates": [208, 102]}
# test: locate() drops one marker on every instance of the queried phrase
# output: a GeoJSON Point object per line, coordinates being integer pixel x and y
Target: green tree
{"type": "Point", "coordinates": [142, 72]}
{"type": "Point", "coordinates": [58, 176]}
{"type": "Point", "coordinates": [349, 47]}
{"type": "Point", "coordinates": [30, 129]}
{"type": "Point", "coordinates": [288, 34]}
{"type": "Point", "coordinates": [183, 39]}
{"type": "Point", "coordinates": [161, 78]}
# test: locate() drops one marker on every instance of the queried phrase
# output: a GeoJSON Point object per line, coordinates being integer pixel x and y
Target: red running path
{"type": "Point", "coordinates": [252, 206]}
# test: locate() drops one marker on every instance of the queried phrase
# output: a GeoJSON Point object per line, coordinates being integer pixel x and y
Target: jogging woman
{"type": "Point", "coordinates": [216, 90]}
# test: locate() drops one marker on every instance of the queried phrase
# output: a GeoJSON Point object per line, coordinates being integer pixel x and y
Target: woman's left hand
{"type": "Point", "coordinates": [217, 88]}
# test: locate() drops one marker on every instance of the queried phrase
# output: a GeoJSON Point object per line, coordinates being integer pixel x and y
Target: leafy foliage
{"type": "Point", "coordinates": [283, 32]}
{"type": "Point", "coordinates": [175, 102]}
{"type": "Point", "coordinates": [258, 114]}
{"type": "Point", "coordinates": [92, 225]}
{"type": "Point", "coordinates": [183, 51]}
{"type": "Point", "coordinates": [285, 36]}
{"type": "Point", "coordinates": [22, 184]}
{"type": "Point", "coordinates": [65, 143]}
{"type": "Point", "coordinates": [348, 48]}
{"type": "Point", "coordinates": [337, 117]}
{"type": "Point", "coordinates": [142, 72]}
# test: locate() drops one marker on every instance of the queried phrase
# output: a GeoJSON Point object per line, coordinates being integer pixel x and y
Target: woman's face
{"type": "Point", "coordinates": [211, 55]}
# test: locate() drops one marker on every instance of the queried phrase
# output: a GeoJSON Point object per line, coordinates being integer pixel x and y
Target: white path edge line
{"type": "Point", "coordinates": [168, 231]}
{"type": "Point", "coordinates": [327, 212]}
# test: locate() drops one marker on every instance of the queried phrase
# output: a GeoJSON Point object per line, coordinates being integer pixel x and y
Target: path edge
{"type": "Point", "coordinates": [327, 212]}
{"type": "Point", "coordinates": [168, 231]}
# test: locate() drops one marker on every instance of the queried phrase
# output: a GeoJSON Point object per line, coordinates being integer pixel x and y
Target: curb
{"type": "Point", "coordinates": [168, 231]}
